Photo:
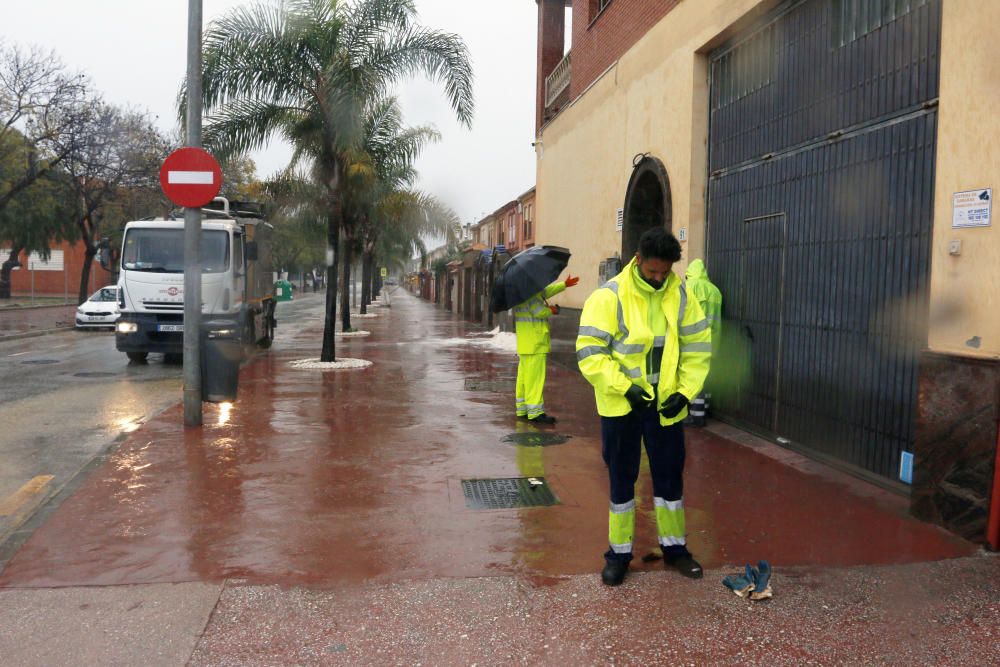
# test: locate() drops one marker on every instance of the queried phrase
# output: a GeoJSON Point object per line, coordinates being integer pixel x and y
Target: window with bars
{"type": "Point", "coordinates": [747, 68]}
{"type": "Point", "coordinates": [853, 19]}
{"type": "Point", "coordinates": [597, 6]}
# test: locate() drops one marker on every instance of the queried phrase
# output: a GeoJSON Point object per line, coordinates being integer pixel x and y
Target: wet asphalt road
{"type": "Point", "coordinates": [65, 399]}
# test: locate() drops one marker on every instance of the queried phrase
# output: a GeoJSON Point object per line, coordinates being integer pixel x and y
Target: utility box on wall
{"type": "Point", "coordinates": [608, 269]}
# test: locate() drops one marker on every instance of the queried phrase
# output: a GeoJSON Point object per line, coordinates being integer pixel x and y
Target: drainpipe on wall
{"type": "Point", "coordinates": [993, 526]}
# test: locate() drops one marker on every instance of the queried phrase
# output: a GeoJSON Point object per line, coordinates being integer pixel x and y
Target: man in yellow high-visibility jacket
{"type": "Point", "coordinates": [645, 347]}
{"type": "Point", "coordinates": [531, 323]}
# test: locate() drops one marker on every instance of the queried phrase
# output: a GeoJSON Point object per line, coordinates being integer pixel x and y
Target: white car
{"type": "Point", "coordinates": [100, 310]}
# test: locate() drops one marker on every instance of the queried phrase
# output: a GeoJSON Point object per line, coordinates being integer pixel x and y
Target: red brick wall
{"type": "Point", "coordinates": [596, 45]}
{"type": "Point", "coordinates": [55, 283]}
{"type": "Point", "coordinates": [551, 27]}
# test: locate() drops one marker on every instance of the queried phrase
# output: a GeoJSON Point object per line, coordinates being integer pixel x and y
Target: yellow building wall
{"type": "Point", "coordinates": [965, 288]}
{"type": "Point", "coordinates": [653, 100]}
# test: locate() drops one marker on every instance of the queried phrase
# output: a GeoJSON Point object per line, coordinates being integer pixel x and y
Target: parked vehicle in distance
{"type": "Point", "coordinates": [100, 310]}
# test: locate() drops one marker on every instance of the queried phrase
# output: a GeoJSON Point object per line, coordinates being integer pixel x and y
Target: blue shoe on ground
{"type": "Point", "coordinates": [761, 581]}
{"type": "Point", "coordinates": [738, 584]}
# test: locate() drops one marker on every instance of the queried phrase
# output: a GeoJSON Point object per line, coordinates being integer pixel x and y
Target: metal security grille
{"type": "Point", "coordinates": [507, 493]}
{"type": "Point", "coordinates": [530, 439]}
{"type": "Point", "coordinates": [502, 386]}
{"type": "Point", "coordinates": [820, 213]}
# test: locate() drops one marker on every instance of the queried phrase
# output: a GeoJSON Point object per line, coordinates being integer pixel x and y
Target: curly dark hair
{"type": "Point", "coordinates": [659, 243]}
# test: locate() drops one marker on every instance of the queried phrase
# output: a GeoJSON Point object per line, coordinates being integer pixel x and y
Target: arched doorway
{"type": "Point", "coordinates": [647, 202]}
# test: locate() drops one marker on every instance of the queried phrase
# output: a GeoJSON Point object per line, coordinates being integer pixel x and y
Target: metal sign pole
{"type": "Point", "coordinates": [192, 231]}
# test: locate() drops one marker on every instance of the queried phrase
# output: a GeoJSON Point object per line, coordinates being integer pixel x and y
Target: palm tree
{"type": "Point", "coordinates": [305, 70]}
{"type": "Point", "coordinates": [383, 167]}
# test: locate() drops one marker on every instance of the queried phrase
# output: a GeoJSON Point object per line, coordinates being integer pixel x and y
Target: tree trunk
{"type": "Point", "coordinates": [86, 233]}
{"type": "Point", "coordinates": [88, 260]}
{"type": "Point", "coordinates": [345, 288]}
{"type": "Point", "coordinates": [5, 269]}
{"type": "Point", "coordinates": [329, 336]}
{"type": "Point", "coordinates": [366, 281]}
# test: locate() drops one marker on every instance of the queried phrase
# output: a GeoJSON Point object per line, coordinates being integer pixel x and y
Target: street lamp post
{"type": "Point", "coordinates": [192, 230]}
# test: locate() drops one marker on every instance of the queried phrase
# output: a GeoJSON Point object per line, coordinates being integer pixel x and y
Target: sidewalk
{"type": "Point", "coordinates": [20, 322]}
{"type": "Point", "coordinates": [322, 521]}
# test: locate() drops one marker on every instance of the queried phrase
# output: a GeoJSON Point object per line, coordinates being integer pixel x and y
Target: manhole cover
{"type": "Point", "coordinates": [41, 361]}
{"type": "Point", "coordinates": [507, 493]}
{"type": "Point", "coordinates": [93, 374]}
{"type": "Point", "coordinates": [498, 386]}
{"type": "Point", "coordinates": [531, 439]}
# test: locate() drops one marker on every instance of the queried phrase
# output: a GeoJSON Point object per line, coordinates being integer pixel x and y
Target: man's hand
{"type": "Point", "coordinates": [571, 281]}
{"type": "Point", "coordinates": [638, 398]}
{"type": "Point", "coordinates": [673, 405]}
{"type": "Point", "coordinates": [554, 309]}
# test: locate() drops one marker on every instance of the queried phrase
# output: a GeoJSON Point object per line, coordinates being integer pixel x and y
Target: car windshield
{"type": "Point", "coordinates": [105, 294]}
{"type": "Point", "coordinates": [162, 250]}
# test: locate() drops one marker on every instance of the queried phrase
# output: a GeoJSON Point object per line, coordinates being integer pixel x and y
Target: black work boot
{"type": "Point", "coordinates": [542, 419]}
{"type": "Point", "coordinates": [614, 572]}
{"type": "Point", "coordinates": [685, 564]}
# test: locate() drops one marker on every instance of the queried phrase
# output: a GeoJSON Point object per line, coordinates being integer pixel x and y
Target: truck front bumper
{"type": "Point", "coordinates": [152, 333]}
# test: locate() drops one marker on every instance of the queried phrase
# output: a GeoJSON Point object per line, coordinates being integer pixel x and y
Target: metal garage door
{"type": "Point", "coordinates": [822, 143]}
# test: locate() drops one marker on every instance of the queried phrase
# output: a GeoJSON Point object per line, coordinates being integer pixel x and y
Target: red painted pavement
{"type": "Point", "coordinates": [327, 478]}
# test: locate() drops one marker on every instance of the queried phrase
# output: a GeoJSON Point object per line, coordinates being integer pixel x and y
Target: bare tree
{"type": "Point", "coordinates": [45, 106]}
{"type": "Point", "coordinates": [119, 151]}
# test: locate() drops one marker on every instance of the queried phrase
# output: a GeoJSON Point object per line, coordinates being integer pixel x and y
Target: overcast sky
{"type": "Point", "coordinates": [134, 53]}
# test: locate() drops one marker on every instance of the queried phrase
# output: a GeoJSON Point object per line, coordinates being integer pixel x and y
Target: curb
{"type": "Point", "coordinates": [35, 334]}
{"type": "Point", "coordinates": [17, 309]}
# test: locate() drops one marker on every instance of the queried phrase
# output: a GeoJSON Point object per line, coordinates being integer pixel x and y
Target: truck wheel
{"type": "Point", "coordinates": [249, 337]}
{"type": "Point", "coordinates": [137, 357]}
{"type": "Point", "coordinates": [268, 338]}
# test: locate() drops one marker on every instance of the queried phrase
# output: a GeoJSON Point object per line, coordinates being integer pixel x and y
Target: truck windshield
{"type": "Point", "coordinates": [162, 250]}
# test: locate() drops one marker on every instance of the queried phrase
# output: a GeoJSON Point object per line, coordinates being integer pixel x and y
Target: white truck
{"type": "Point", "coordinates": [236, 280]}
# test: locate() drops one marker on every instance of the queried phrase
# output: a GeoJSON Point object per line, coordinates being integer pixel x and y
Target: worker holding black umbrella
{"type": "Point", "coordinates": [525, 285]}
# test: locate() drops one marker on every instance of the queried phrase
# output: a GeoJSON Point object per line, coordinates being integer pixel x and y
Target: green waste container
{"type": "Point", "coordinates": [282, 290]}
{"type": "Point", "coordinates": [221, 354]}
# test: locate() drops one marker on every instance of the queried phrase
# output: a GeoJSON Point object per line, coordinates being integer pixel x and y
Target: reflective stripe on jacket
{"type": "Point", "coordinates": [709, 298]}
{"type": "Point", "coordinates": [615, 339]}
{"type": "Point", "coordinates": [531, 321]}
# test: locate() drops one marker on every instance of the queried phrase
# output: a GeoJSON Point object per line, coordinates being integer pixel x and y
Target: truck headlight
{"type": "Point", "coordinates": [126, 327]}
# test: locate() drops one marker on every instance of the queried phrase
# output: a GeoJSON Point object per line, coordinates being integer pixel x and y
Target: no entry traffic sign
{"type": "Point", "coordinates": [190, 177]}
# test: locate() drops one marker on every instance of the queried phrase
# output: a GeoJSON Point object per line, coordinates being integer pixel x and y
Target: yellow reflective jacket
{"type": "Point", "coordinates": [531, 321]}
{"type": "Point", "coordinates": [709, 298]}
{"type": "Point", "coordinates": [615, 343]}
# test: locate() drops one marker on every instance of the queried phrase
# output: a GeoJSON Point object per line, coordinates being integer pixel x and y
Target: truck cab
{"type": "Point", "coordinates": [236, 278]}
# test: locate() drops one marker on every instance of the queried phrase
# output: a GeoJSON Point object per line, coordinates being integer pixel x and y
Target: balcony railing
{"type": "Point", "coordinates": [558, 81]}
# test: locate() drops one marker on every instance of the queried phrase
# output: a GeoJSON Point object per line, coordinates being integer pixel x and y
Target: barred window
{"type": "Point", "coordinates": [853, 19]}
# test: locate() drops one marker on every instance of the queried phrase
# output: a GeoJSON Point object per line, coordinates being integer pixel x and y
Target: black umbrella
{"type": "Point", "coordinates": [527, 273]}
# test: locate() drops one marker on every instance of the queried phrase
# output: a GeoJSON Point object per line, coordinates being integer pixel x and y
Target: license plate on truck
{"type": "Point", "coordinates": [170, 327]}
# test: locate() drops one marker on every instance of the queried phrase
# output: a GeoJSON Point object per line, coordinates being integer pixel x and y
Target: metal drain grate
{"type": "Point", "coordinates": [94, 374]}
{"type": "Point", "coordinates": [531, 439]}
{"type": "Point", "coordinates": [40, 361]}
{"type": "Point", "coordinates": [507, 493]}
{"type": "Point", "coordinates": [501, 386]}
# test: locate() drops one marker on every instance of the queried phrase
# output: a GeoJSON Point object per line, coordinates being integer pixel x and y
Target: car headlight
{"type": "Point", "coordinates": [79, 311]}
{"type": "Point", "coordinates": [126, 327]}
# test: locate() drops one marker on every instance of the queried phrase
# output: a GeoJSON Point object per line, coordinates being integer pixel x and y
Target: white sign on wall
{"type": "Point", "coordinates": [972, 208]}
{"type": "Point", "coordinates": [620, 220]}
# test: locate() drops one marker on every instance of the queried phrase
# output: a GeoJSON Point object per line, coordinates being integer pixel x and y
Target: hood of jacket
{"type": "Point", "coordinates": [696, 270]}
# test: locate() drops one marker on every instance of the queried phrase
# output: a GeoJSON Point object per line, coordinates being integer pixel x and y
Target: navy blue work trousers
{"type": "Point", "coordinates": [621, 442]}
